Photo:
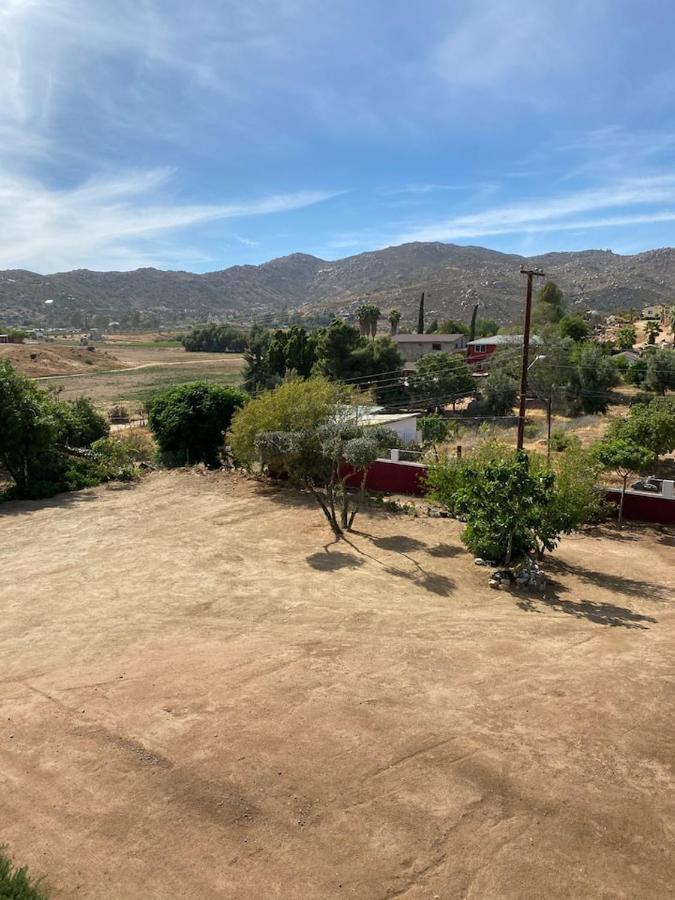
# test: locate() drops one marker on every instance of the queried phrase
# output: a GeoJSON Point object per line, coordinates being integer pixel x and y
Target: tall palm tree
{"type": "Point", "coordinates": [394, 319]}
{"type": "Point", "coordinates": [363, 316]}
{"type": "Point", "coordinates": [652, 330]}
{"type": "Point", "coordinates": [373, 318]}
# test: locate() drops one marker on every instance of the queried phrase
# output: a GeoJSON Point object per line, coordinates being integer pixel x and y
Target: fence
{"type": "Point", "coordinates": [394, 476]}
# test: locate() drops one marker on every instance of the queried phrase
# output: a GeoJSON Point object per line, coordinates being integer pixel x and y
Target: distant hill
{"type": "Point", "coordinates": [453, 277]}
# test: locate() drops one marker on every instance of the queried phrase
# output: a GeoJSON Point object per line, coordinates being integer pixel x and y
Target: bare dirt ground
{"type": "Point", "coordinates": [202, 697]}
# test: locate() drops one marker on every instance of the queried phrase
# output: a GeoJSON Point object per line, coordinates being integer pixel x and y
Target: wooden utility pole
{"type": "Point", "coordinates": [531, 273]}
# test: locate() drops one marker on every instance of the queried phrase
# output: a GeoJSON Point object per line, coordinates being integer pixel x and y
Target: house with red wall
{"type": "Point", "coordinates": [478, 352]}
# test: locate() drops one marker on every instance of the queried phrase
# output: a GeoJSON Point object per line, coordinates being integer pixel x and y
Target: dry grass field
{"type": "Point", "coordinates": [203, 697]}
{"type": "Point", "coordinates": [143, 370]}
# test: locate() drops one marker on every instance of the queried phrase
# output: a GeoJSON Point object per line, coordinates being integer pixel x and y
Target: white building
{"type": "Point", "coordinates": [403, 424]}
{"type": "Point", "coordinates": [414, 346]}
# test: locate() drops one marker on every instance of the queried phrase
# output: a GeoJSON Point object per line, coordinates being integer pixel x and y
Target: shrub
{"type": "Point", "coordinates": [140, 443]}
{"type": "Point", "coordinates": [189, 421]}
{"type": "Point", "coordinates": [114, 459]}
{"type": "Point", "coordinates": [81, 423]}
{"type": "Point", "coordinates": [16, 883]}
{"type": "Point", "coordinates": [531, 430]}
{"type": "Point", "coordinates": [500, 392]}
{"type": "Point", "coordinates": [294, 406]}
{"type": "Point", "coordinates": [563, 440]}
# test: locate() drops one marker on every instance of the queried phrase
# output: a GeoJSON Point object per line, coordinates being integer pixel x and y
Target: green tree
{"type": "Point", "coordinates": [650, 425]}
{"type": "Point", "coordinates": [652, 330]}
{"type": "Point", "coordinates": [574, 327]}
{"type": "Point", "coordinates": [625, 458]}
{"type": "Point", "coordinates": [363, 318]}
{"type": "Point", "coordinates": [28, 426]}
{"type": "Point", "coordinates": [434, 430]}
{"type": "Point", "coordinates": [440, 378]}
{"type": "Point", "coordinates": [588, 388]}
{"type": "Point", "coordinates": [324, 460]}
{"type": "Point", "coordinates": [637, 372]}
{"type": "Point", "coordinates": [660, 371]}
{"type": "Point", "coordinates": [256, 371]}
{"type": "Point", "coordinates": [80, 424]}
{"type": "Point", "coordinates": [626, 337]}
{"type": "Point", "coordinates": [500, 392]}
{"type": "Point", "coordinates": [189, 421]}
{"type": "Point", "coordinates": [486, 327]}
{"type": "Point", "coordinates": [342, 353]}
{"type": "Point", "coordinates": [394, 320]}
{"type": "Point", "coordinates": [296, 405]}
{"type": "Point", "coordinates": [453, 326]}
{"type": "Point", "coordinates": [549, 306]}
{"type": "Point", "coordinates": [502, 502]}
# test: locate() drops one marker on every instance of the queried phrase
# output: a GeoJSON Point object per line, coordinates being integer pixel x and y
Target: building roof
{"type": "Point", "coordinates": [426, 338]}
{"type": "Point", "coordinates": [383, 418]}
{"type": "Point", "coordinates": [504, 340]}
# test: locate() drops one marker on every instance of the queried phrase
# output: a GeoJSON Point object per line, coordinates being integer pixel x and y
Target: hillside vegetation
{"type": "Point", "coordinates": [454, 278]}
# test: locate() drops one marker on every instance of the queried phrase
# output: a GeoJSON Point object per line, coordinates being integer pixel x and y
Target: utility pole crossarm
{"type": "Point", "coordinates": [531, 274]}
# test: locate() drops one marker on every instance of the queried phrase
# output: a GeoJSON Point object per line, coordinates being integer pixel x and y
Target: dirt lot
{"type": "Point", "coordinates": [38, 360]}
{"type": "Point", "coordinates": [201, 697]}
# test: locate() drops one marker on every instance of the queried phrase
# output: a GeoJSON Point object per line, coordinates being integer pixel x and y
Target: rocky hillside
{"type": "Point", "coordinates": [453, 277]}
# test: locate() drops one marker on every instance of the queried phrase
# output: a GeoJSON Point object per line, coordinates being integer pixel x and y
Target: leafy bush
{"type": "Point", "coordinates": [500, 392]}
{"type": "Point", "coordinates": [650, 425]}
{"type": "Point", "coordinates": [140, 443]}
{"type": "Point", "coordinates": [81, 423]}
{"type": "Point", "coordinates": [16, 884]}
{"type": "Point", "coordinates": [503, 502]}
{"type": "Point", "coordinates": [294, 406]}
{"type": "Point", "coordinates": [114, 460]}
{"type": "Point", "coordinates": [189, 421]}
{"type": "Point", "coordinates": [531, 430]}
{"type": "Point", "coordinates": [563, 440]}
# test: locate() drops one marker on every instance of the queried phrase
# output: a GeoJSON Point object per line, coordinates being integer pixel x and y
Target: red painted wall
{"type": "Point", "coordinates": [645, 507]}
{"type": "Point", "coordinates": [393, 478]}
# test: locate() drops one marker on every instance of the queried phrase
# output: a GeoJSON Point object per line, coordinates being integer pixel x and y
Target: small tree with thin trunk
{"type": "Point", "coordinates": [324, 460]}
{"type": "Point", "coordinates": [625, 458]}
{"type": "Point", "coordinates": [394, 319]}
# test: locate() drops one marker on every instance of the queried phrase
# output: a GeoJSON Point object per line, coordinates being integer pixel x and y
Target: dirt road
{"type": "Point", "coordinates": [199, 699]}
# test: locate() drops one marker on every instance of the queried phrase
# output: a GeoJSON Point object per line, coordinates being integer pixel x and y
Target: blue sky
{"type": "Point", "coordinates": [198, 135]}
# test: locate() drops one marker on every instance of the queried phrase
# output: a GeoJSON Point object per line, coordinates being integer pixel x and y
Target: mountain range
{"type": "Point", "coordinates": [453, 277]}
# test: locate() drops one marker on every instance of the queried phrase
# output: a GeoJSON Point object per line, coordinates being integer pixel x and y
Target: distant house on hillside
{"type": "Point", "coordinates": [414, 346]}
{"type": "Point", "coordinates": [653, 312]}
{"type": "Point", "coordinates": [480, 351]}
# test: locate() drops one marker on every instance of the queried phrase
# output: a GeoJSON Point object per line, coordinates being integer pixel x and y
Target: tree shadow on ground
{"type": "Point", "coordinates": [60, 501]}
{"type": "Point", "coordinates": [398, 543]}
{"type": "Point", "coordinates": [619, 584]}
{"type": "Point", "coordinates": [332, 561]}
{"type": "Point", "coordinates": [445, 551]}
{"type": "Point", "coordinates": [600, 613]}
{"type": "Point", "coordinates": [418, 575]}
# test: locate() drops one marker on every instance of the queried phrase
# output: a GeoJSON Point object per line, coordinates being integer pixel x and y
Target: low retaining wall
{"type": "Point", "coordinates": [642, 507]}
{"type": "Point", "coordinates": [393, 477]}
{"type": "Point", "coordinates": [396, 477]}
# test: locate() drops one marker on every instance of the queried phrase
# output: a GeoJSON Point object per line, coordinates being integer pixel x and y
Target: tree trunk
{"type": "Point", "coordinates": [623, 494]}
{"type": "Point", "coordinates": [509, 548]}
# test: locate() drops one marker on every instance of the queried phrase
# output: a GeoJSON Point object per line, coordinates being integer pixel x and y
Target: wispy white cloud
{"type": "Point", "coordinates": [557, 213]}
{"type": "Point", "coordinates": [112, 221]}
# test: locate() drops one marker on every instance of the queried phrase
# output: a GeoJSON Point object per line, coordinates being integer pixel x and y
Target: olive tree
{"type": "Point", "coordinates": [625, 458]}
{"type": "Point", "coordinates": [324, 460]}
